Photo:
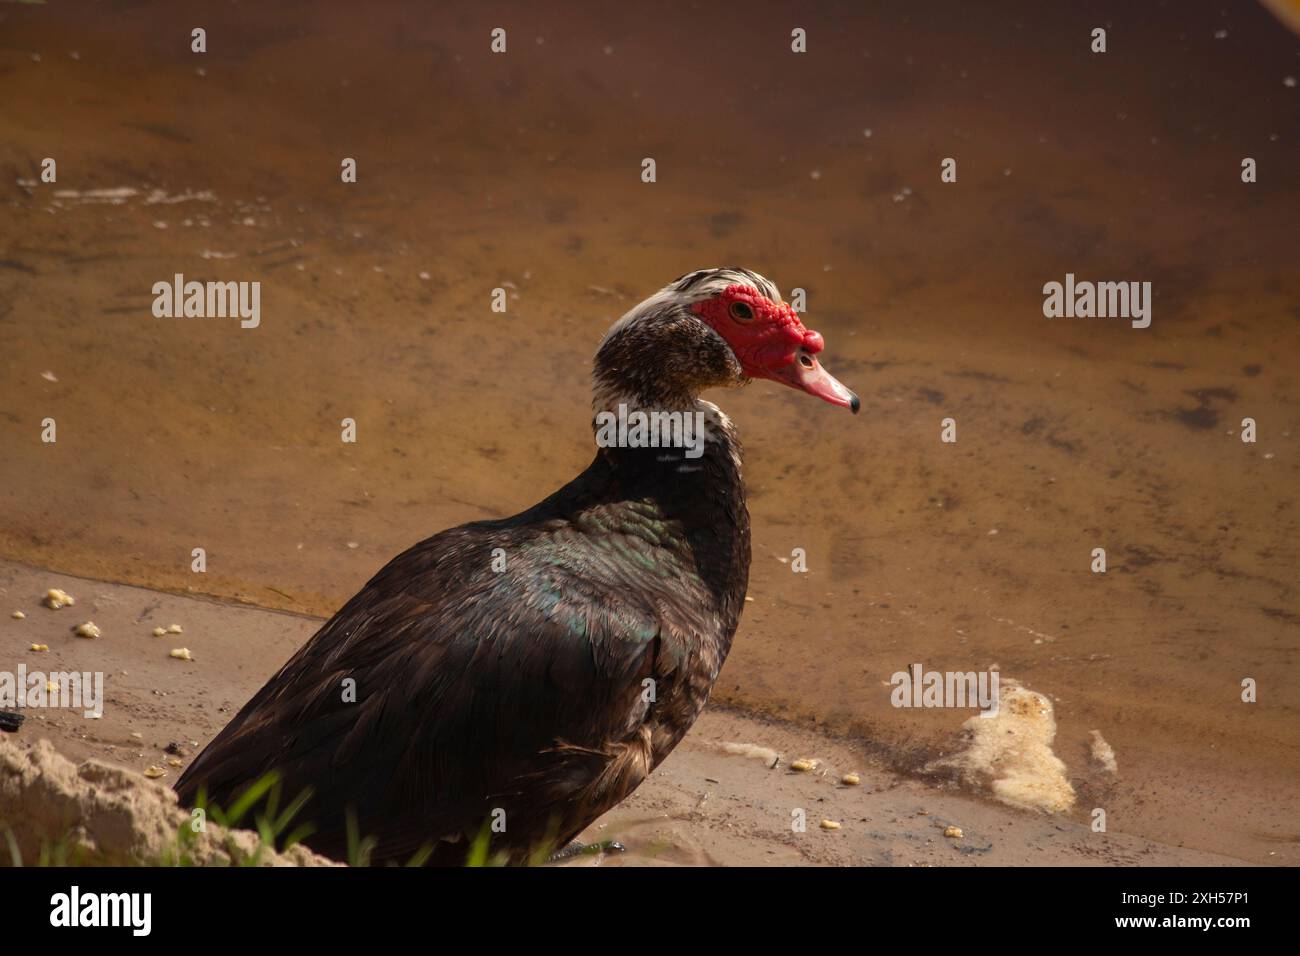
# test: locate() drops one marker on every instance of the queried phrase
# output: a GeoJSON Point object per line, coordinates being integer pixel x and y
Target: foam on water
{"type": "Point", "coordinates": [1011, 755]}
{"type": "Point", "coordinates": [1102, 753]}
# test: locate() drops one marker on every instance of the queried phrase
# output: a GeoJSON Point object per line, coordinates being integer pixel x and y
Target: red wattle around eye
{"type": "Point", "coordinates": [769, 340]}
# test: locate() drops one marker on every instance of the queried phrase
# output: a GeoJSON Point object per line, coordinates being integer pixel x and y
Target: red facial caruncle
{"type": "Point", "coordinates": [770, 342]}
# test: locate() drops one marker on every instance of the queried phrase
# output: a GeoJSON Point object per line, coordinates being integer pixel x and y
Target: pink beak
{"type": "Point", "coordinates": [806, 374]}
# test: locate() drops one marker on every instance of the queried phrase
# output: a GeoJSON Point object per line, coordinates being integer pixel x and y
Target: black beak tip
{"type": "Point", "coordinates": [854, 403]}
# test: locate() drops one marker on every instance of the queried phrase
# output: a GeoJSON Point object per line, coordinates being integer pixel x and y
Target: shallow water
{"type": "Point", "coordinates": [523, 171]}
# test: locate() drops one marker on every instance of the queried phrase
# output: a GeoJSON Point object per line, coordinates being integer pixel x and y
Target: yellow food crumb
{"type": "Point", "coordinates": [953, 833]}
{"type": "Point", "coordinates": [175, 629]}
{"type": "Point", "coordinates": [804, 765]}
{"type": "Point", "coordinates": [830, 825]}
{"type": "Point", "coordinates": [153, 773]}
{"type": "Point", "coordinates": [40, 647]}
{"type": "Point", "coordinates": [181, 654]}
{"type": "Point", "coordinates": [159, 631]}
{"type": "Point", "coordinates": [56, 598]}
{"type": "Point", "coordinates": [18, 615]}
{"type": "Point", "coordinates": [850, 780]}
{"type": "Point", "coordinates": [88, 629]}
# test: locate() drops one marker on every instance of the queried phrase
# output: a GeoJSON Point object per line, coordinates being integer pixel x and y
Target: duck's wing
{"type": "Point", "coordinates": [449, 691]}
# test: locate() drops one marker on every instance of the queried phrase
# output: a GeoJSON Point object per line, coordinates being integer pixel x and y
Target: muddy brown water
{"type": "Point", "coordinates": [522, 171]}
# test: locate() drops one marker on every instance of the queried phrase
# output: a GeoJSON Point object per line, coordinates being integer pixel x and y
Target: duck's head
{"type": "Point", "coordinates": [709, 328]}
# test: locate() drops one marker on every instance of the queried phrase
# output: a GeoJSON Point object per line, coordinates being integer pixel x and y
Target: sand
{"type": "Point", "coordinates": [719, 800]}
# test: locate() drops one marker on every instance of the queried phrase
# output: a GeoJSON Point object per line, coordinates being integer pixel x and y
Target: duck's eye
{"type": "Point", "coordinates": [806, 360]}
{"type": "Point", "coordinates": [741, 311]}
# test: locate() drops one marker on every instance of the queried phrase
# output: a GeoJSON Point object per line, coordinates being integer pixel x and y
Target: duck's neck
{"type": "Point", "coordinates": [682, 437]}
{"type": "Point", "coordinates": [663, 450]}
{"type": "Point", "coordinates": [698, 491]}
{"type": "Point", "coordinates": [646, 381]}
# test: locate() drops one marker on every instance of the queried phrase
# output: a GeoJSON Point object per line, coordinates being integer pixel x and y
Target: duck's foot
{"type": "Point", "coordinates": [577, 848]}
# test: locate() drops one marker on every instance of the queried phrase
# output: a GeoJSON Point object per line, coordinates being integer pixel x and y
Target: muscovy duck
{"type": "Point", "coordinates": [520, 677]}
